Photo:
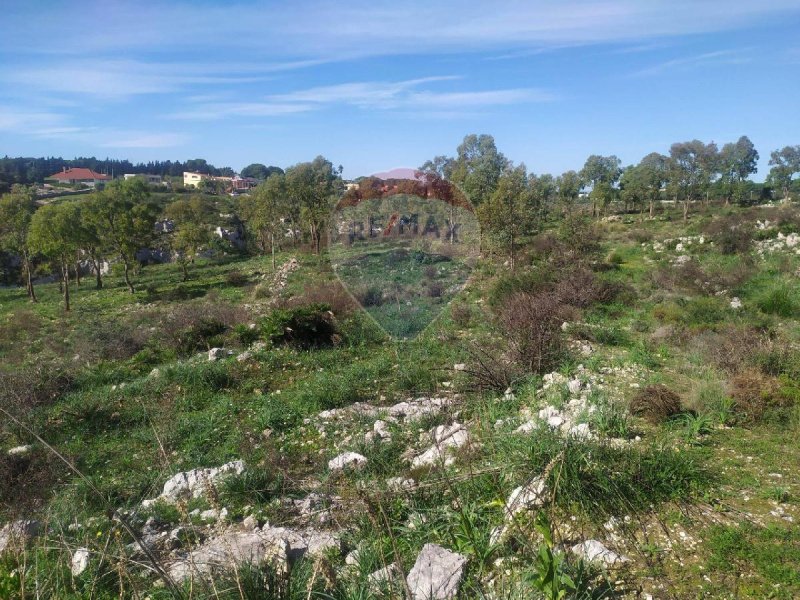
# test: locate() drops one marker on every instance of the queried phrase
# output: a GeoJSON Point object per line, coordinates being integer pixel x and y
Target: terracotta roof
{"type": "Point", "coordinates": [78, 174]}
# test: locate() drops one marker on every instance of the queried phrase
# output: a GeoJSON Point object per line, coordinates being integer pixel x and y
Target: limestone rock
{"type": "Point", "coordinates": [80, 561]}
{"type": "Point", "coordinates": [216, 354]}
{"type": "Point", "coordinates": [17, 533]}
{"type": "Point", "coordinates": [437, 574]}
{"type": "Point", "coordinates": [595, 552]}
{"type": "Point", "coordinates": [195, 482]}
{"type": "Point", "coordinates": [526, 497]}
{"type": "Point", "coordinates": [347, 460]}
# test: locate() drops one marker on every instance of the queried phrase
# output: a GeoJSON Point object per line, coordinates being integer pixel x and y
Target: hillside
{"type": "Point", "coordinates": [618, 417]}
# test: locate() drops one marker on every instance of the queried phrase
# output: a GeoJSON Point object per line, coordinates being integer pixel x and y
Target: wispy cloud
{"type": "Point", "coordinates": [706, 59]}
{"type": "Point", "coordinates": [313, 30]}
{"type": "Point", "coordinates": [369, 95]}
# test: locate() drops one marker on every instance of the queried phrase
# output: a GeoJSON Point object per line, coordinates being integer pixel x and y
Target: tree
{"type": "Point", "coordinates": [440, 166]}
{"type": "Point", "coordinates": [569, 185]}
{"type": "Point", "coordinates": [125, 219]}
{"type": "Point", "coordinates": [191, 229]}
{"type": "Point", "coordinates": [544, 191]}
{"type": "Point", "coordinates": [314, 187]}
{"type": "Point", "coordinates": [737, 162]}
{"type": "Point", "coordinates": [509, 213]}
{"type": "Point", "coordinates": [260, 172]}
{"type": "Point", "coordinates": [654, 170]}
{"type": "Point", "coordinates": [785, 165]}
{"type": "Point", "coordinates": [691, 169]}
{"type": "Point", "coordinates": [16, 211]}
{"type": "Point", "coordinates": [602, 172]}
{"type": "Point", "coordinates": [477, 167]}
{"type": "Point", "coordinates": [265, 212]}
{"type": "Point", "coordinates": [54, 233]}
{"type": "Point", "coordinates": [633, 187]}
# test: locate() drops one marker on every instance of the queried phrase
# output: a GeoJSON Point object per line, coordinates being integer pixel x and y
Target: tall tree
{"type": "Point", "coordinates": [569, 186]}
{"type": "Point", "coordinates": [191, 232]}
{"type": "Point", "coordinates": [440, 166]}
{"type": "Point", "coordinates": [265, 213]}
{"type": "Point", "coordinates": [692, 169]}
{"type": "Point", "coordinates": [654, 169]}
{"type": "Point", "coordinates": [16, 210]}
{"type": "Point", "coordinates": [602, 172]}
{"type": "Point", "coordinates": [509, 213]}
{"type": "Point", "coordinates": [477, 167]}
{"type": "Point", "coordinates": [260, 172]}
{"type": "Point", "coordinates": [314, 187]}
{"type": "Point", "coordinates": [738, 160]}
{"type": "Point", "coordinates": [54, 233]}
{"type": "Point", "coordinates": [785, 165]}
{"type": "Point", "coordinates": [125, 218]}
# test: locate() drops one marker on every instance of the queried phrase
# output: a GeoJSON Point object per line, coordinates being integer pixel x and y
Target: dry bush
{"type": "Point", "coordinates": [640, 236]}
{"type": "Point", "coordinates": [733, 234]}
{"type": "Point", "coordinates": [193, 327]}
{"type": "Point", "coordinates": [27, 480]}
{"type": "Point", "coordinates": [656, 403]}
{"type": "Point", "coordinates": [461, 314]}
{"type": "Point", "coordinates": [581, 288]}
{"type": "Point", "coordinates": [733, 348]}
{"type": "Point", "coordinates": [434, 290]}
{"type": "Point", "coordinates": [35, 385]}
{"type": "Point", "coordinates": [328, 293]}
{"type": "Point", "coordinates": [754, 395]}
{"type": "Point", "coordinates": [235, 278]}
{"type": "Point", "coordinates": [545, 244]}
{"type": "Point", "coordinates": [531, 341]}
{"type": "Point", "coordinates": [109, 340]}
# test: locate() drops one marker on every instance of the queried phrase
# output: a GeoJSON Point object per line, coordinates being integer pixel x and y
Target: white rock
{"type": "Point", "coordinates": [80, 560]}
{"type": "Point", "coordinates": [595, 552]}
{"type": "Point", "coordinates": [527, 497]}
{"type": "Point", "coordinates": [574, 386]}
{"type": "Point", "coordinates": [580, 432]}
{"type": "Point", "coordinates": [351, 460]}
{"type": "Point", "coordinates": [446, 439]}
{"type": "Point", "coordinates": [17, 533]}
{"type": "Point", "coordinates": [20, 450]}
{"type": "Point", "coordinates": [195, 482]}
{"type": "Point", "coordinates": [437, 574]}
{"type": "Point", "coordinates": [527, 427]}
{"type": "Point", "coordinates": [736, 303]}
{"type": "Point", "coordinates": [216, 354]}
{"type": "Point", "coordinates": [400, 484]}
{"type": "Point", "coordinates": [460, 367]}
{"type": "Point", "coordinates": [388, 578]}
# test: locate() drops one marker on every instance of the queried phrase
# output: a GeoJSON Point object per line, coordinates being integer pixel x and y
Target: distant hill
{"type": "Point", "coordinates": [398, 173]}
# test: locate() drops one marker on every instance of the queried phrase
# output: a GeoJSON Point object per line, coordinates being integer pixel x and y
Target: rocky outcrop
{"type": "Point", "coordinates": [437, 574]}
{"type": "Point", "coordinates": [194, 483]}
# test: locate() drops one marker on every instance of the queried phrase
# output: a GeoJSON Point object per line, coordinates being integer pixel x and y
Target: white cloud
{"type": "Point", "coordinates": [314, 30]}
{"type": "Point", "coordinates": [706, 59]}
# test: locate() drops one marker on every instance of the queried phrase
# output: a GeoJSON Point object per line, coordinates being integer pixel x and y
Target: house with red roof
{"type": "Point", "coordinates": [79, 175]}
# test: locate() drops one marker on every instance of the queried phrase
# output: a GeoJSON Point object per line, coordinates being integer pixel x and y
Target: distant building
{"type": "Point", "coordinates": [242, 184]}
{"type": "Point", "coordinates": [191, 179]}
{"type": "Point", "coordinates": [151, 179]}
{"type": "Point", "coordinates": [79, 175]}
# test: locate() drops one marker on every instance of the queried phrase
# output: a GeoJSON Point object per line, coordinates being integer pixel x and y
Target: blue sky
{"type": "Point", "coordinates": [375, 85]}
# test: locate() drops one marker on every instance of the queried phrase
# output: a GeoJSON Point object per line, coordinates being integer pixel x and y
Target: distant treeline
{"type": "Point", "coordinates": [28, 170]}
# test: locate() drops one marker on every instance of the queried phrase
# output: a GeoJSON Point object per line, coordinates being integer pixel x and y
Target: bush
{"type": "Point", "coordinates": [235, 278]}
{"type": "Point", "coordinates": [461, 314]}
{"type": "Point", "coordinates": [305, 327]}
{"type": "Point", "coordinates": [733, 234]}
{"type": "Point", "coordinates": [755, 396]}
{"type": "Point", "coordinates": [370, 296]}
{"type": "Point", "coordinates": [531, 325]}
{"type": "Point", "coordinates": [329, 293]}
{"type": "Point", "coordinates": [656, 403]}
{"type": "Point", "coordinates": [779, 301]}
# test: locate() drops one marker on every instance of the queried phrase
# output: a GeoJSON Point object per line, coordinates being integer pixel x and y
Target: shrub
{"type": "Point", "coordinates": [461, 314]}
{"type": "Point", "coordinates": [434, 290]}
{"type": "Point", "coordinates": [656, 403]}
{"type": "Point", "coordinates": [732, 234]}
{"type": "Point", "coordinates": [34, 386]}
{"type": "Point", "coordinates": [755, 395]}
{"type": "Point", "coordinates": [235, 278]}
{"type": "Point", "coordinates": [779, 301]}
{"type": "Point", "coordinates": [532, 281]}
{"type": "Point", "coordinates": [370, 296]}
{"type": "Point", "coordinates": [581, 235]}
{"type": "Point", "coordinates": [305, 327]}
{"type": "Point", "coordinates": [201, 335]}
{"type": "Point", "coordinates": [329, 293]}
{"type": "Point", "coordinates": [531, 324]}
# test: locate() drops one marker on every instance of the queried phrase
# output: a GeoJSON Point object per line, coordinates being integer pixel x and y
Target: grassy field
{"type": "Point", "coordinates": [703, 500]}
